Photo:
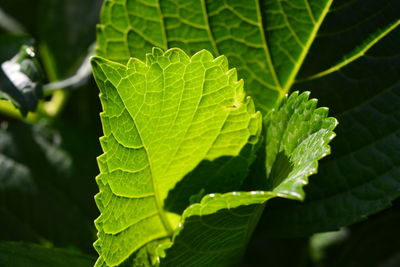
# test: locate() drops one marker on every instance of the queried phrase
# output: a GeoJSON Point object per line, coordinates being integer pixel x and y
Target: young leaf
{"type": "Point", "coordinates": [161, 119]}
{"type": "Point", "coordinates": [297, 137]}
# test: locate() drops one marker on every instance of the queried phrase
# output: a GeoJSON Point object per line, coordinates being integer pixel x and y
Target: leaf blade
{"type": "Point", "coordinates": [163, 138]}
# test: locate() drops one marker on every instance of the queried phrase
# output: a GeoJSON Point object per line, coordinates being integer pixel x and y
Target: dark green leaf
{"type": "Point", "coordinates": [375, 242]}
{"type": "Point", "coordinates": [362, 176]}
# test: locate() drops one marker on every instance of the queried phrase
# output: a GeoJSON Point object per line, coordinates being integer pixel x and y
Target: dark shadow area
{"type": "Point", "coordinates": [222, 175]}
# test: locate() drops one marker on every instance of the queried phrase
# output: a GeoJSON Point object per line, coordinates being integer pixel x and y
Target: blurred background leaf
{"type": "Point", "coordinates": [48, 168]}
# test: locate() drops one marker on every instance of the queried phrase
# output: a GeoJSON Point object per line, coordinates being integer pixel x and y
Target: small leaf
{"type": "Point", "coordinates": [297, 137]}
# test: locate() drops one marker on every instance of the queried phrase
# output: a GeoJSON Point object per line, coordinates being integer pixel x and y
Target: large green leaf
{"type": "Point", "coordinates": [25, 254]}
{"type": "Point", "coordinates": [362, 176]}
{"type": "Point", "coordinates": [344, 51]}
{"type": "Point", "coordinates": [161, 119]}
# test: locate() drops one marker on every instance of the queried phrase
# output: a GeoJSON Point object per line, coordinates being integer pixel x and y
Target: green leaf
{"type": "Point", "coordinates": [362, 175]}
{"type": "Point", "coordinates": [25, 254]}
{"type": "Point", "coordinates": [298, 134]}
{"type": "Point", "coordinates": [217, 230]}
{"type": "Point", "coordinates": [166, 116]}
{"type": "Point", "coordinates": [265, 40]}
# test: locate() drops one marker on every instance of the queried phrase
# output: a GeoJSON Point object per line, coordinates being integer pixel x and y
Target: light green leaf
{"type": "Point", "coordinates": [161, 119]}
{"type": "Point", "coordinates": [217, 230]}
{"type": "Point", "coordinates": [25, 254]}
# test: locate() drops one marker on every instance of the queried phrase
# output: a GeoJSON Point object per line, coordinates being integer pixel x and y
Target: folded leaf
{"type": "Point", "coordinates": [298, 134]}
{"type": "Point", "coordinates": [161, 119]}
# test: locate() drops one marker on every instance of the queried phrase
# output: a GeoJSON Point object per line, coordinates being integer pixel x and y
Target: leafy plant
{"type": "Point", "coordinates": [267, 42]}
{"type": "Point", "coordinates": [193, 171]}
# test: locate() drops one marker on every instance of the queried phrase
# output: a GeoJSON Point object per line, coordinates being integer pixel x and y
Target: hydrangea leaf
{"type": "Point", "coordinates": [298, 134]}
{"type": "Point", "coordinates": [216, 231]}
{"type": "Point", "coordinates": [161, 119]}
